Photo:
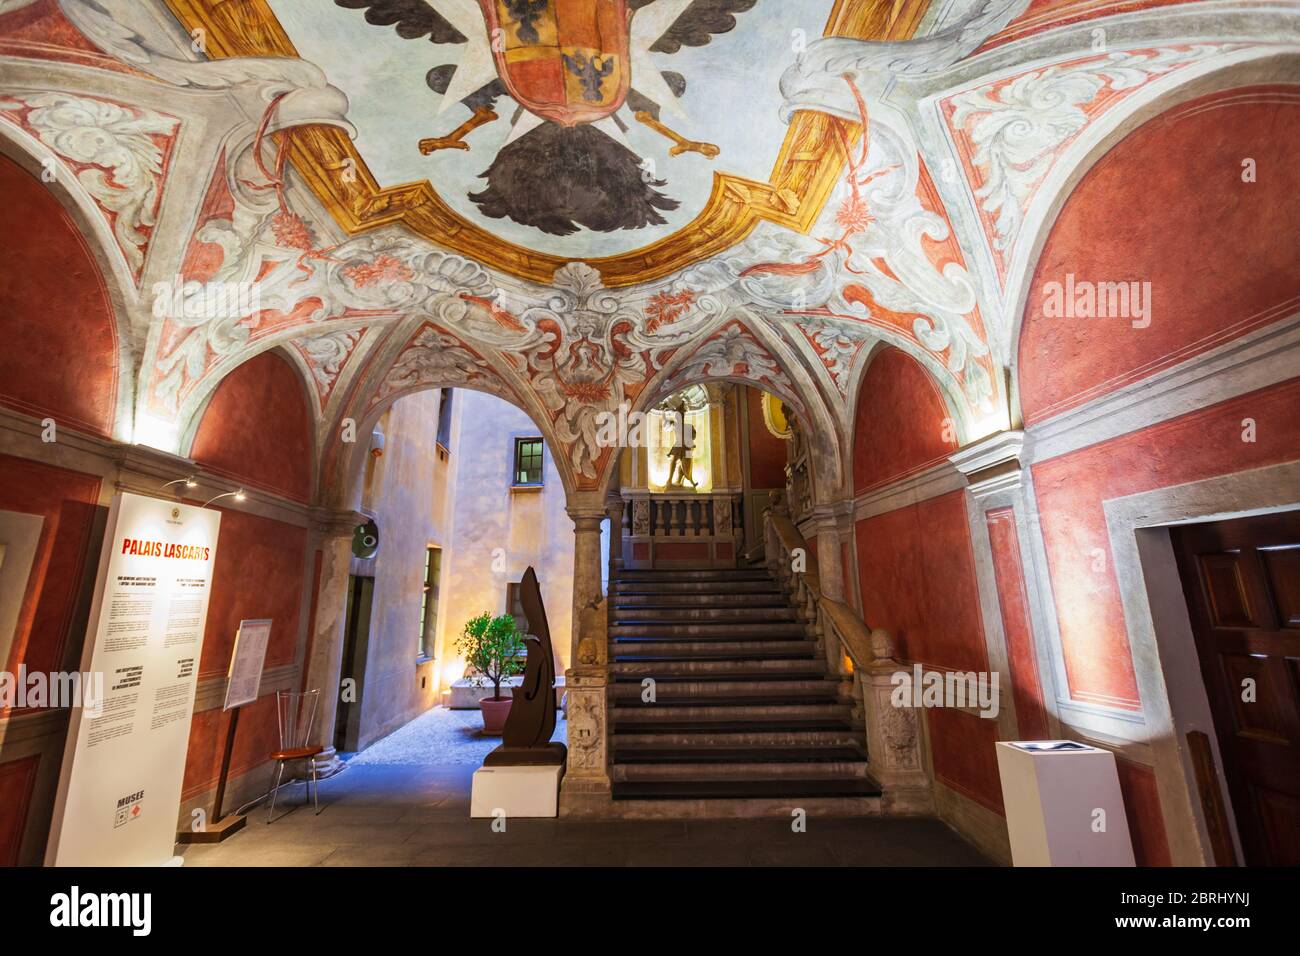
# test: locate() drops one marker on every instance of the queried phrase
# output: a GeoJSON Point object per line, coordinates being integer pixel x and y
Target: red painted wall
{"type": "Point", "coordinates": [67, 501]}
{"type": "Point", "coordinates": [1013, 603]}
{"type": "Point", "coordinates": [1168, 206]}
{"type": "Point", "coordinates": [17, 778]}
{"type": "Point", "coordinates": [916, 572]}
{"type": "Point", "coordinates": [1146, 822]}
{"type": "Point", "coordinates": [55, 313]}
{"type": "Point", "coordinates": [899, 427]}
{"type": "Point", "coordinates": [767, 453]}
{"type": "Point", "coordinates": [257, 738]}
{"type": "Point", "coordinates": [258, 574]}
{"type": "Point", "coordinates": [1071, 489]}
{"type": "Point", "coordinates": [963, 748]}
{"type": "Point", "coordinates": [257, 429]}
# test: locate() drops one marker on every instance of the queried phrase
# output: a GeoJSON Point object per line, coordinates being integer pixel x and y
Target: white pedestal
{"type": "Point", "coordinates": [1053, 799]}
{"type": "Point", "coordinates": [518, 791]}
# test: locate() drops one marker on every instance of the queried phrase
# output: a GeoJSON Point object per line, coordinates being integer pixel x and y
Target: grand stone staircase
{"type": "Point", "coordinates": [744, 717]}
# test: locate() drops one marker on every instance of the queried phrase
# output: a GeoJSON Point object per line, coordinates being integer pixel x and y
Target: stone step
{"type": "Point", "coordinates": [623, 599]}
{"type": "Point", "coordinates": [727, 770]}
{"type": "Point", "coordinates": [733, 790]}
{"type": "Point", "coordinates": [697, 587]}
{"type": "Point", "coordinates": [707, 738]}
{"type": "Point", "coordinates": [774, 714]}
{"type": "Point", "coordinates": [746, 808]}
{"type": "Point", "coordinates": [717, 650]}
{"type": "Point", "coordinates": [701, 615]}
{"type": "Point", "coordinates": [674, 693]}
{"type": "Point", "coordinates": [694, 574]}
{"type": "Point", "coordinates": [722, 630]}
{"type": "Point", "coordinates": [737, 669]}
{"type": "Point", "coordinates": [703, 755]}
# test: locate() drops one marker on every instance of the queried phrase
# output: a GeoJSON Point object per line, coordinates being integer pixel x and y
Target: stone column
{"type": "Point", "coordinates": [324, 664]}
{"type": "Point", "coordinates": [586, 780]}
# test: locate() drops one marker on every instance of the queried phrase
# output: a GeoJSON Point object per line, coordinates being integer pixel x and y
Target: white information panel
{"type": "Point", "coordinates": [245, 677]}
{"type": "Point", "coordinates": [120, 785]}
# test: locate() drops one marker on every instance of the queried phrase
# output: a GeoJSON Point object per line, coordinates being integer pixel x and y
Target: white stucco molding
{"type": "Point", "coordinates": [1000, 451]}
{"type": "Point", "coordinates": [1256, 360]}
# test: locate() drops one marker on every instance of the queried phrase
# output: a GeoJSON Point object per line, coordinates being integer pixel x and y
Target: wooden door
{"type": "Point", "coordinates": [1242, 583]}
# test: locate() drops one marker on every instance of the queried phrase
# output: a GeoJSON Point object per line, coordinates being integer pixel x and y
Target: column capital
{"type": "Point", "coordinates": [991, 464]}
{"type": "Point", "coordinates": [330, 523]}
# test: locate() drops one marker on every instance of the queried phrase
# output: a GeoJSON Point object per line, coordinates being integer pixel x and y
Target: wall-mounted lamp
{"type": "Point", "coordinates": [188, 480]}
{"type": "Point", "coordinates": [237, 495]}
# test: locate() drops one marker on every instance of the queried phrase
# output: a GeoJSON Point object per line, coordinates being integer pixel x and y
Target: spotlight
{"type": "Point", "coordinates": [237, 495]}
{"type": "Point", "coordinates": [188, 480]}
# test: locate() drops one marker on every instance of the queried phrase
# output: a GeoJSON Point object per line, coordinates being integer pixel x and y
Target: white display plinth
{"type": "Point", "coordinates": [518, 791]}
{"type": "Point", "coordinates": [1052, 798]}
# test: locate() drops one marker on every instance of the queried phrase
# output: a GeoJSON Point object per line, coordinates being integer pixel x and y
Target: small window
{"type": "Point", "coordinates": [515, 607]}
{"type": "Point", "coordinates": [429, 601]}
{"type": "Point", "coordinates": [528, 461]}
{"type": "Point", "coordinates": [444, 420]}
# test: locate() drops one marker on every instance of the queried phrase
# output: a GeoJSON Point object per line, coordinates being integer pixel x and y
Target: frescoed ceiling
{"type": "Point", "coordinates": [614, 196]}
{"type": "Point", "coordinates": [640, 174]}
{"type": "Point", "coordinates": [572, 184]}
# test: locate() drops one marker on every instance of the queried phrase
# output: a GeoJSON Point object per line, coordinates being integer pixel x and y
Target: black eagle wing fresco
{"type": "Point", "coordinates": [412, 18]}
{"type": "Point", "coordinates": [698, 23]}
{"type": "Point", "coordinates": [567, 164]}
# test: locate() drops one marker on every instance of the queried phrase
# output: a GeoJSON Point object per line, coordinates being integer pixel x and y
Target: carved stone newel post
{"type": "Point", "coordinates": [586, 784]}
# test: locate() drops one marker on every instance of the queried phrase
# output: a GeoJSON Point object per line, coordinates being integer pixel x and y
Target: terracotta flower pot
{"type": "Point", "coordinates": [495, 711]}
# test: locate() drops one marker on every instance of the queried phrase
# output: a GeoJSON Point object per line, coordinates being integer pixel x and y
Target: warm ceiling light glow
{"type": "Point", "coordinates": [156, 433]}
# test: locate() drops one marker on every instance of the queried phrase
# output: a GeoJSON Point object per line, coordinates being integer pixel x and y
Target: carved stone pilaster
{"type": "Point", "coordinates": [333, 531]}
{"type": "Point", "coordinates": [586, 786]}
{"type": "Point", "coordinates": [893, 736]}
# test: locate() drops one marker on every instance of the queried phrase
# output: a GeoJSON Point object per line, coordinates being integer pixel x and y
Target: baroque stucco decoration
{"type": "Point", "coordinates": [938, 204]}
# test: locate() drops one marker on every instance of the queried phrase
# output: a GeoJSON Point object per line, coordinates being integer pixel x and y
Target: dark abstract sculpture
{"type": "Point", "coordinates": [526, 740]}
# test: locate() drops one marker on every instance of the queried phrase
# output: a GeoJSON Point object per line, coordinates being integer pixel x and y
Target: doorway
{"type": "Point", "coordinates": [1241, 580]}
{"type": "Point", "coordinates": [356, 640]}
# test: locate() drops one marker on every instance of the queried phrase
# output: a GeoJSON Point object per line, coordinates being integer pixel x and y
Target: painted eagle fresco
{"type": "Point", "coordinates": [568, 67]}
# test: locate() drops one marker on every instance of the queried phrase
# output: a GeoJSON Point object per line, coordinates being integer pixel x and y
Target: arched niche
{"type": "Point", "coordinates": [902, 423]}
{"type": "Point", "coordinates": [257, 428]}
{"type": "Point", "coordinates": [62, 356]}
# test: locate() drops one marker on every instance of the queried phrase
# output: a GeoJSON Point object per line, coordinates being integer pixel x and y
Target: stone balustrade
{"type": "Point", "coordinates": [681, 529]}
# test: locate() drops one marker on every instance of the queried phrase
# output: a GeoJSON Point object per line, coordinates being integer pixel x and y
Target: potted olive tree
{"type": "Point", "coordinates": [492, 647]}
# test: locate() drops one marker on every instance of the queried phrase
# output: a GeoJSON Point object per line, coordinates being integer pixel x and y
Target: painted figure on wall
{"type": "Point", "coordinates": [567, 67]}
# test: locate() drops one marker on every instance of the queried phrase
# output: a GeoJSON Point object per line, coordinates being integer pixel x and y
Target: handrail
{"type": "Point", "coordinates": [892, 731]}
{"type": "Point", "coordinates": [860, 642]}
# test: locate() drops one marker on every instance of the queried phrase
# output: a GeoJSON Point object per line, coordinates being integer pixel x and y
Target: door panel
{"type": "Point", "coordinates": [1241, 579]}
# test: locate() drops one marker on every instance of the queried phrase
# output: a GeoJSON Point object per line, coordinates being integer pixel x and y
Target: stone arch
{"type": "Point", "coordinates": [794, 385]}
{"type": "Point", "coordinates": [342, 466]}
{"type": "Point", "coordinates": [1251, 67]}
